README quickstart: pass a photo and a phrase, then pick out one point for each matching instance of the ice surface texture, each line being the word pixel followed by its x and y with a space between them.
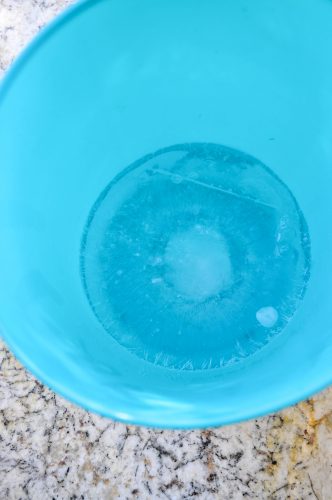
pixel 194 257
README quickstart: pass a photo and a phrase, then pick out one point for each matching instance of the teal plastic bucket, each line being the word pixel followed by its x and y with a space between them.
pixel 165 208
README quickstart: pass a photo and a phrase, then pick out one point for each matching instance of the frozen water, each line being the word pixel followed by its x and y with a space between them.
pixel 195 257
pixel 198 263
pixel 267 316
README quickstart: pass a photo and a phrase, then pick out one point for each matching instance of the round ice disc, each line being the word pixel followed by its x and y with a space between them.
pixel 195 256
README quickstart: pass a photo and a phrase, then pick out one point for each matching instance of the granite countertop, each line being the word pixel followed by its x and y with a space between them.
pixel 51 449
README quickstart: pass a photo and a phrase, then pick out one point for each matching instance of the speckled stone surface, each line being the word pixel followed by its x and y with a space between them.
pixel 52 449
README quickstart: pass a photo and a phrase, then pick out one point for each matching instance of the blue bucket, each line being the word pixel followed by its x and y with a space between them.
pixel 165 208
